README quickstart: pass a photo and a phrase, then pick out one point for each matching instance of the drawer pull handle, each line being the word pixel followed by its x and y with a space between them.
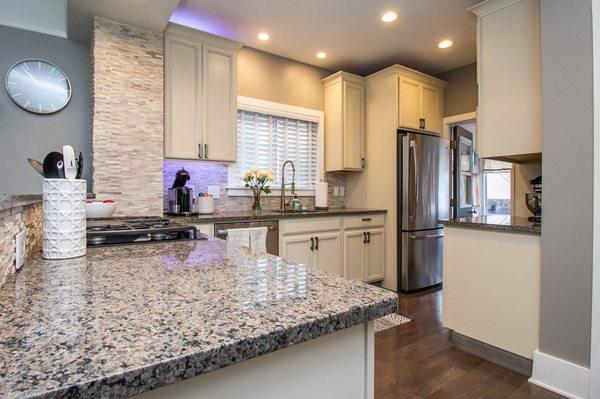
pixel 366 219
pixel 312 243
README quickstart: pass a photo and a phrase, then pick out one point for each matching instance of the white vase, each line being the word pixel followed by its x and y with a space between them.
pixel 64 218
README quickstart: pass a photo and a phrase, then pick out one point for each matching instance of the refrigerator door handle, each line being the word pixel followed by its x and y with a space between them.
pixel 411 207
pixel 425 237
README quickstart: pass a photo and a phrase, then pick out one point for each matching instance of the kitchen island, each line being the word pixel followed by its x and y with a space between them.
pixel 491 296
pixel 125 320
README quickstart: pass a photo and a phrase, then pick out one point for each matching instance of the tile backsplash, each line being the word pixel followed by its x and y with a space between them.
pixel 204 174
pixel 12 221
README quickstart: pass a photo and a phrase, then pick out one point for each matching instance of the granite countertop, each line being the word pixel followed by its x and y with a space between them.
pixel 218 217
pixel 126 319
pixel 497 222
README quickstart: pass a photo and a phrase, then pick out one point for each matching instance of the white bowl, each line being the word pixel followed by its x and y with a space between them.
pixel 99 209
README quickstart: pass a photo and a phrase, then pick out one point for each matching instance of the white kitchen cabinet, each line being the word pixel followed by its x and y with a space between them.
pixel 328 252
pixel 364 254
pixel 344 122
pixel 420 105
pixel 509 79
pixel 298 248
pixel 200 95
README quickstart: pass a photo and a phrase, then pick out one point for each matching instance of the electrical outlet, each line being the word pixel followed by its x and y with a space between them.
pixel 20 245
pixel 342 191
pixel 336 191
pixel 215 191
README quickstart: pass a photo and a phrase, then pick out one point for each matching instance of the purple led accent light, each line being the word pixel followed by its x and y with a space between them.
pixel 187 16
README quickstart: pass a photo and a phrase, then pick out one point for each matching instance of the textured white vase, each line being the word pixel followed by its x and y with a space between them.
pixel 64 218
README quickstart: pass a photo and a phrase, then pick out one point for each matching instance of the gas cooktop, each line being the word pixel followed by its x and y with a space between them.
pixel 133 230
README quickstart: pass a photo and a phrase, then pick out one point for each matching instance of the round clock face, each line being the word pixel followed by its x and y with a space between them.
pixel 38 86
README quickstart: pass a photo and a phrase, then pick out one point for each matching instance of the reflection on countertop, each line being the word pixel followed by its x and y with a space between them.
pixel 126 319
pixel 496 222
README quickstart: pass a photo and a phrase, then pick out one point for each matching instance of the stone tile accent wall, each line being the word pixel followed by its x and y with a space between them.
pixel 12 221
pixel 127 117
pixel 205 174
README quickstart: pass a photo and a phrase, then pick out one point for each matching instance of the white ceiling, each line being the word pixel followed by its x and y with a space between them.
pixel 148 14
pixel 350 31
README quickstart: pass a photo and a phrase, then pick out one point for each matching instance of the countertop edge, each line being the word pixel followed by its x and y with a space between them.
pixel 271 215
pixel 177 369
pixel 493 226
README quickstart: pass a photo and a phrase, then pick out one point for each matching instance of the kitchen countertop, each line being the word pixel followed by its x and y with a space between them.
pixel 126 319
pixel 9 201
pixel 496 222
pixel 271 215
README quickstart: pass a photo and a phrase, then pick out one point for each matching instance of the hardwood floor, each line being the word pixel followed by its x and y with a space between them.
pixel 416 360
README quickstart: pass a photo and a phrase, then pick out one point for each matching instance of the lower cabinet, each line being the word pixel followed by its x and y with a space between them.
pixel 355 249
pixel 364 254
pixel 322 251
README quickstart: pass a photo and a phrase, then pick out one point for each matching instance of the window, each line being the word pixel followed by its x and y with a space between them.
pixel 496 187
pixel 268 134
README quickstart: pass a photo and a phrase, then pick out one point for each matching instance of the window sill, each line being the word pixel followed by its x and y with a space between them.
pixel 275 192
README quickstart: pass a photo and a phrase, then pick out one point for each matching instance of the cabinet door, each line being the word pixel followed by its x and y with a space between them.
pixel 328 252
pixel 220 105
pixel 354 255
pixel 298 249
pixel 409 111
pixel 353 125
pixel 183 98
pixel 375 257
pixel 431 107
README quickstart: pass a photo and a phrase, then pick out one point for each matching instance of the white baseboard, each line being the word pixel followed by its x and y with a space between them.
pixel 560 376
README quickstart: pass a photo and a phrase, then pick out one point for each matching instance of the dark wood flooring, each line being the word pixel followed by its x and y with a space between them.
pixel 416 360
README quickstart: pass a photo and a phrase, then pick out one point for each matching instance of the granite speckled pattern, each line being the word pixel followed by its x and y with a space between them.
pixel 497 222
pixel 219 217
pixel 126 319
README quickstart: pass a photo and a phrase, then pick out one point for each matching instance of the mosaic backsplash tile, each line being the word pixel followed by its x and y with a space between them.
pixel 204 174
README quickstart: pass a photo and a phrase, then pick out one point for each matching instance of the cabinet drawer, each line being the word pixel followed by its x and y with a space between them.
pixel 312 225
pixel 362 221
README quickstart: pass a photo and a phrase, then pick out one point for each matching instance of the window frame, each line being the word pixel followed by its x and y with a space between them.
pixel 483 185
pixel 287 111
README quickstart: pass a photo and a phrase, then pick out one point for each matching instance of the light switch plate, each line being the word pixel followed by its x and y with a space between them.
pixel 336 191
pixel 20 245
pixel 342 191
pixel 215 191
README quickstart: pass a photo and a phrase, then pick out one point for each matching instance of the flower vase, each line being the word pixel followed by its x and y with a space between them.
pixel 256 208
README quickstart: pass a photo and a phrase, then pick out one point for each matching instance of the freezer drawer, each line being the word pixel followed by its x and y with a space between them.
pixel 421 264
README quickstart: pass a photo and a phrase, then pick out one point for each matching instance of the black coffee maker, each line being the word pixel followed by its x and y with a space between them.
pixel 181 198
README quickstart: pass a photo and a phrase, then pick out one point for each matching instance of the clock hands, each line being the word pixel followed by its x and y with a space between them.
pixel 32 78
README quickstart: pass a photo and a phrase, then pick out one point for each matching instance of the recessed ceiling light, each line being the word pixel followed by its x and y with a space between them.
pixel 389 16
pixel 321 54
pixel 263 36
pixel 445 43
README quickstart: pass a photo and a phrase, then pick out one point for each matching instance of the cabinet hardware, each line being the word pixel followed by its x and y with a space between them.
pixel 317 243
pixel 368 237
pixel 200 151
pixel 364 238
pixel 424 123
pixel 366 219
pixel 362 162
pixel 312 243
pixel 205 151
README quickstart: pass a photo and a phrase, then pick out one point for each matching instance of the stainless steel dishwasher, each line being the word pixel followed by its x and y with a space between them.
pixel 272 232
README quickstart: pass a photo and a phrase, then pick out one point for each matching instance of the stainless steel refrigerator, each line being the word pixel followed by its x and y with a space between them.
pixel 423 199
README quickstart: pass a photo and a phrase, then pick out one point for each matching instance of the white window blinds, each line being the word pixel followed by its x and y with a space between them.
pixel 267 141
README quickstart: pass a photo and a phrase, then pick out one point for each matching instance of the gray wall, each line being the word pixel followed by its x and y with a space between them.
pixel 461 92
pixel 567 147
pixel 23 134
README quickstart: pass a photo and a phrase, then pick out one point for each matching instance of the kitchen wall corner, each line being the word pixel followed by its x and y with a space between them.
pixel 127 116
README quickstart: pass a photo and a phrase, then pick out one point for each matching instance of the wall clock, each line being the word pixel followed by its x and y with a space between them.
pixel 38 86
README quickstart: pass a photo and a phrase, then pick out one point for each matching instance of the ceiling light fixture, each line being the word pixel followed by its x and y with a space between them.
pixel 263 36
pixel 321 54
pixel 389 16
pixel 445 43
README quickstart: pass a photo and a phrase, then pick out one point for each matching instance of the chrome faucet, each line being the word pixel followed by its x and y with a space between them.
pixel 293 184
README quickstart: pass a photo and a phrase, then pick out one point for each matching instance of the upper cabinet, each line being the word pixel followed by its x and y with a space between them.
pixel 420 105
pixel 200 95
pixel 344 122
pixel 509 78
